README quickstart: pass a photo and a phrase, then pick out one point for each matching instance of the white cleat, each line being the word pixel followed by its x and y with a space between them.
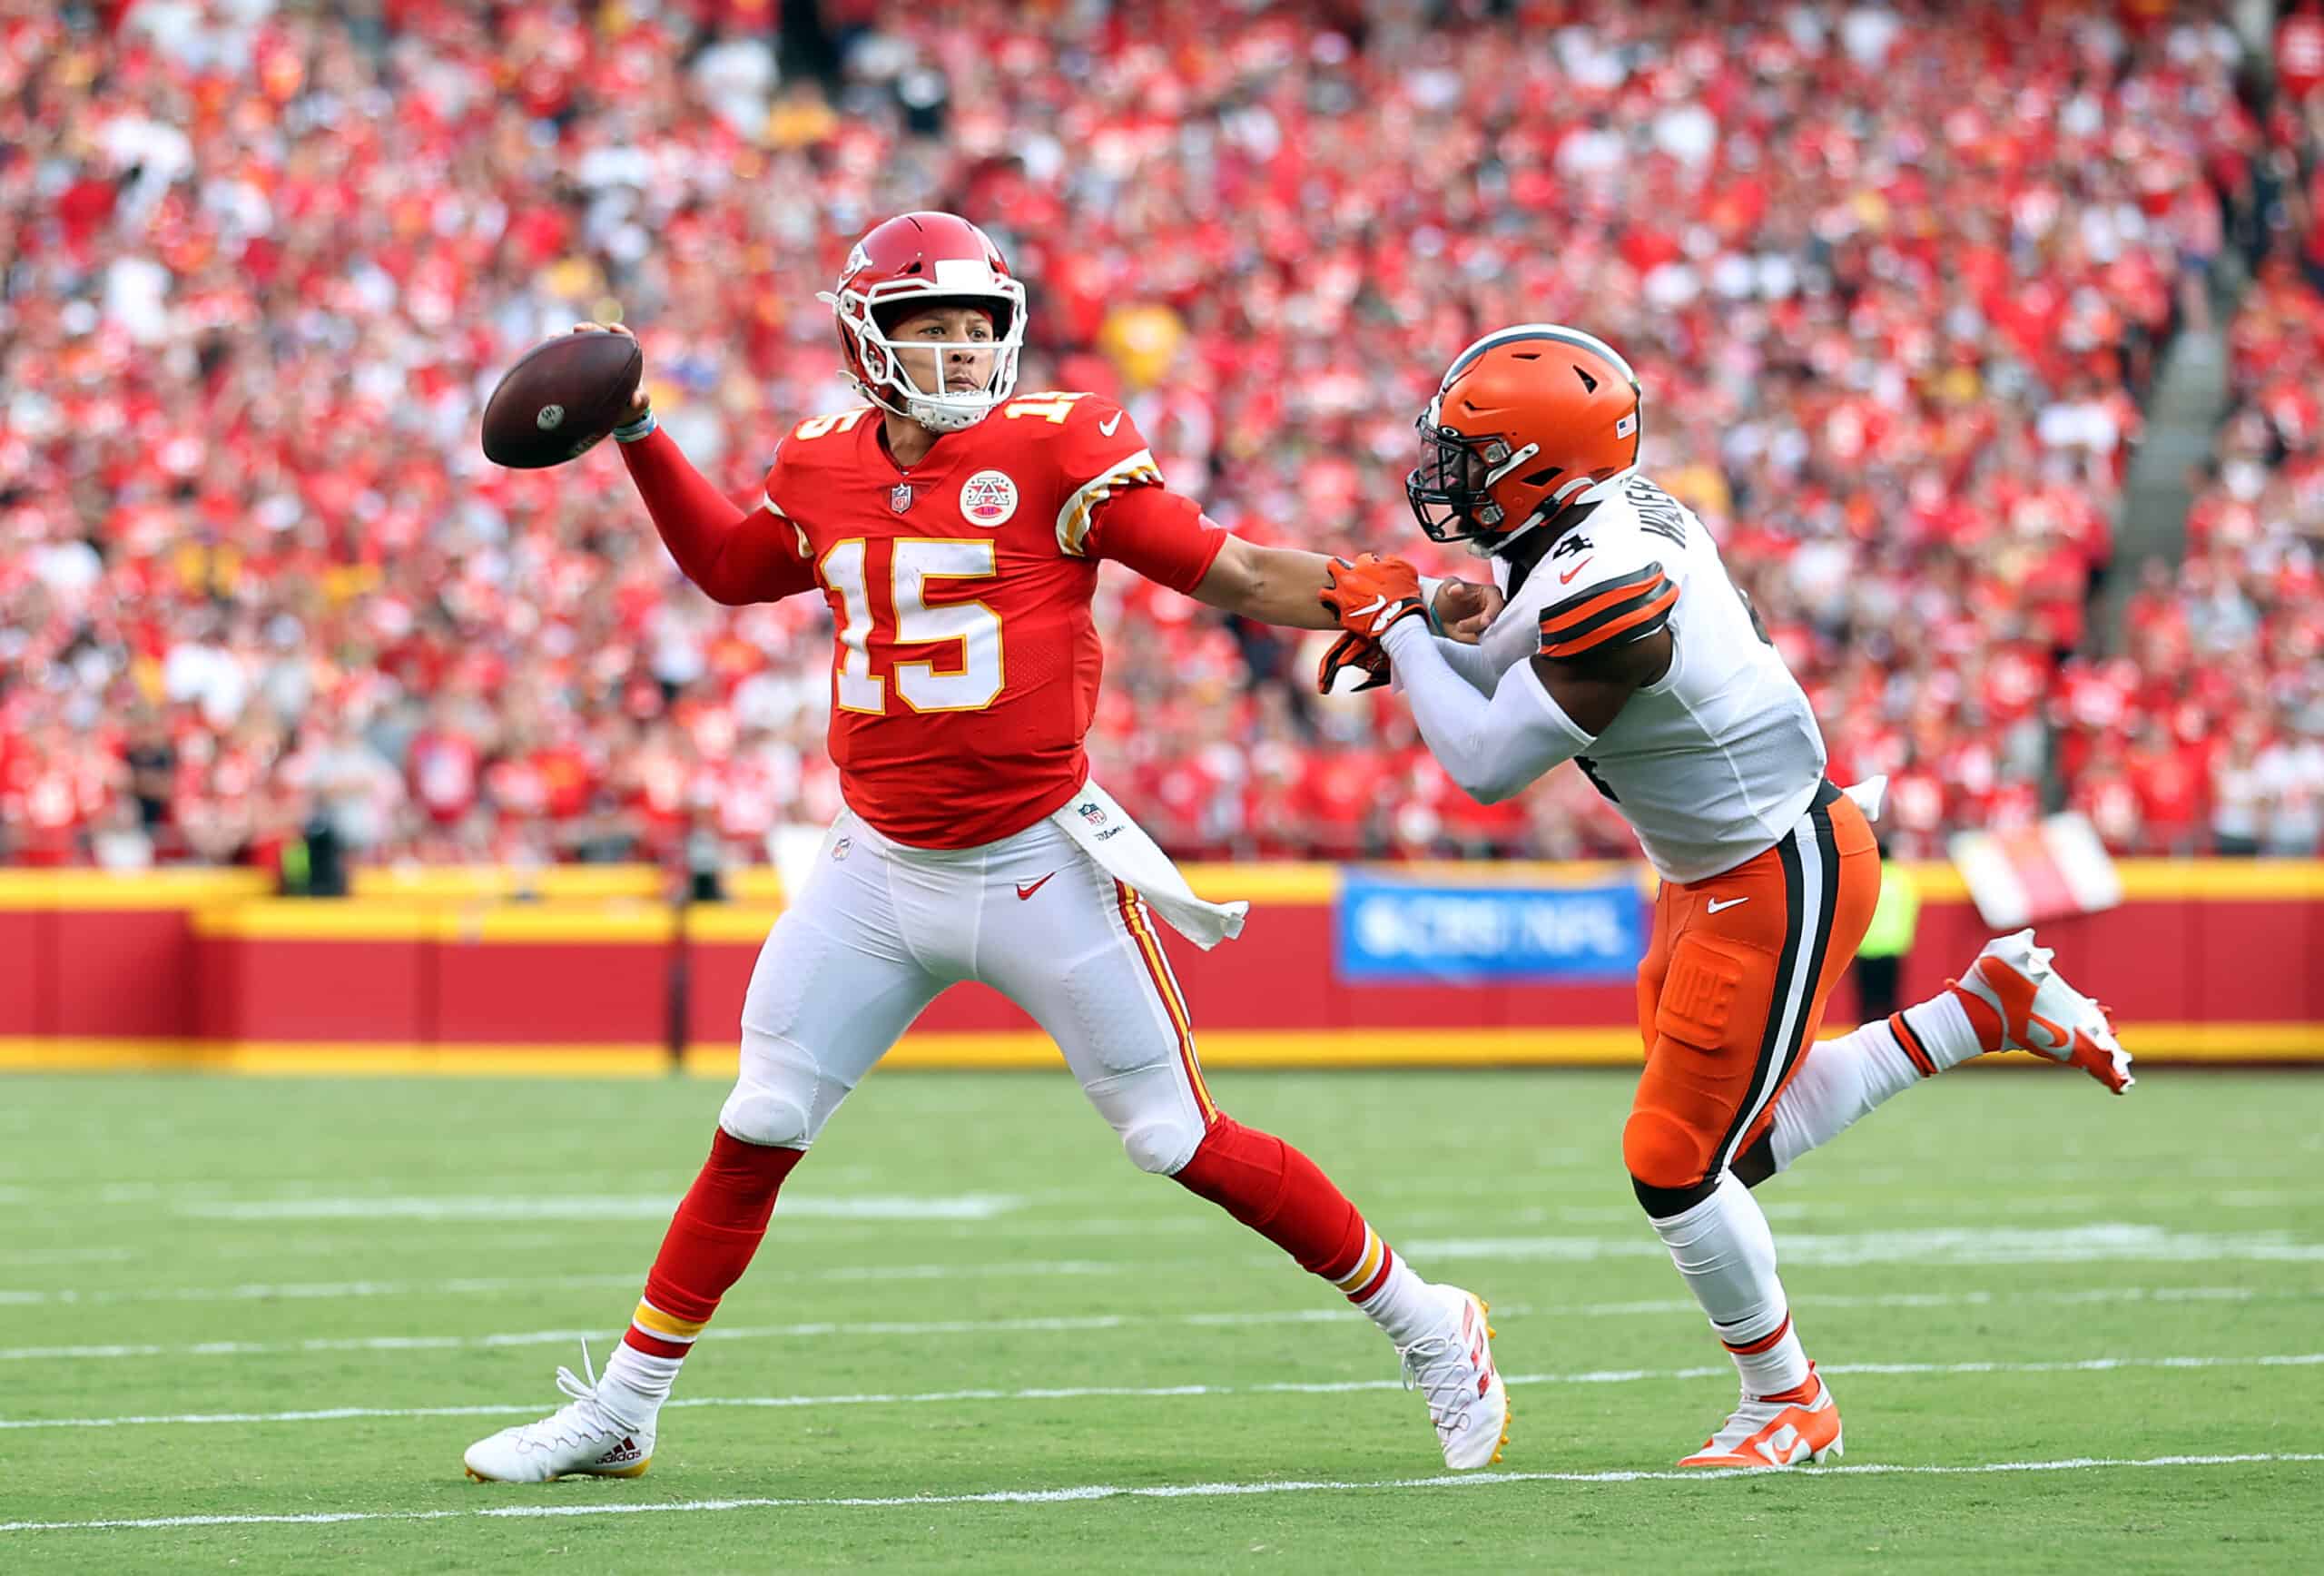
pixel 2041 1013
pixel 580 1438
pixel 1784 1430
pixel 1455 1372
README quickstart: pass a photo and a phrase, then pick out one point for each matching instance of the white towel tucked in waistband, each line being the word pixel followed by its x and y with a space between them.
pixel 1124 851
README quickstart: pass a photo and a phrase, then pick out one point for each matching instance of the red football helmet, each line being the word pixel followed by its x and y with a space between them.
pixel 924 258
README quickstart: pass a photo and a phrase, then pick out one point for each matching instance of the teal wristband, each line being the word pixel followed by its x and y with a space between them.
pixel 1428 587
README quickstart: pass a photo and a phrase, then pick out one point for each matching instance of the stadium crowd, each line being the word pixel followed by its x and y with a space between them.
pixel 2208 731
pixel 1896 277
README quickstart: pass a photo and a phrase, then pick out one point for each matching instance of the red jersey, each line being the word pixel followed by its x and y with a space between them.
pixel 966 662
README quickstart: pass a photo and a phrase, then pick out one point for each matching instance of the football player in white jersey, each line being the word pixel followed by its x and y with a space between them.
pixel 1625 649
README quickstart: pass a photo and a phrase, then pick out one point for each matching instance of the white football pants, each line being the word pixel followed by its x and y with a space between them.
pixel 882 928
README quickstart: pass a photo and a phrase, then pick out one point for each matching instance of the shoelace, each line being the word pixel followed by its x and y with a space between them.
pixel 1433 1366
pixel 564 1426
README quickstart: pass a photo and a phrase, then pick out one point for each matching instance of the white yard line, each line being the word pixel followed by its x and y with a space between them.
pixel 1087 1493
pixel 581 1207
pixel 2104 1241
pixel 23 1258
pixel 852 1329
pixel 2098 1242
pixel 1126 1392
pixel 333 1291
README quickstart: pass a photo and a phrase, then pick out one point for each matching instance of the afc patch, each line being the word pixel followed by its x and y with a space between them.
pixel 899 499
pixel 989 498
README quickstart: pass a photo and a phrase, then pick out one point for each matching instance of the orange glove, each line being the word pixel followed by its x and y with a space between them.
pixel 1360 652
pixel 1371 593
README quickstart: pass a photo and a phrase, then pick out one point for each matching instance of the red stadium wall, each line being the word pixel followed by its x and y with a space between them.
pixel 2205 960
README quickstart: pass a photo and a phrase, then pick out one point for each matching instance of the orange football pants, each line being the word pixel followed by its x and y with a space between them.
pixel 1731 992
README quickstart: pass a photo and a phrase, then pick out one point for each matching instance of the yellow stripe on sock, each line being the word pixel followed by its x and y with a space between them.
pixel 1367 1266
pixel 654 1322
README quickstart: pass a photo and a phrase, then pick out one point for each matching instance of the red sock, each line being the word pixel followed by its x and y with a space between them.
pixel 718 1226
pixel 1286 1197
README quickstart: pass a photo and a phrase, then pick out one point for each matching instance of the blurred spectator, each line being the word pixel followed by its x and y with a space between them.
pixel 1896 276
pixel 2223 687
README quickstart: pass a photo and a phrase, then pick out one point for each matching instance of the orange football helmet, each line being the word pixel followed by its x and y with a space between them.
pixel 1526 421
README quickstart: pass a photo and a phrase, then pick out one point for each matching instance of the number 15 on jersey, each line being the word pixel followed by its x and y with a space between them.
pixel 968 681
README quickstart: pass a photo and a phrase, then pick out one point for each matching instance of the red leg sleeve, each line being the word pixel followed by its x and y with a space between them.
pixel 1280 1194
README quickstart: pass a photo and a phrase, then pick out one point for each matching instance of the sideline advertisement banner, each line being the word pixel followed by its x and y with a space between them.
pixel 1388 931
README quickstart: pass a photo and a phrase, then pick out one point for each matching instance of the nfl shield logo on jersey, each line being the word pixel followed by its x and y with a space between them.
pixel 901 498
pixel 989 498
pixel 1091 813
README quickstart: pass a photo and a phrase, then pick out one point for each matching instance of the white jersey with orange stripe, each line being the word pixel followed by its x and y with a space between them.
pixel 1714 761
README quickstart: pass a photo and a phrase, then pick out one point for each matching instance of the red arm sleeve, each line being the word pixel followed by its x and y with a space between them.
pixel 736 558
pixel 1161 534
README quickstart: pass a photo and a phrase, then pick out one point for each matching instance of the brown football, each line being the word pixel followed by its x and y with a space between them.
pixel 561 399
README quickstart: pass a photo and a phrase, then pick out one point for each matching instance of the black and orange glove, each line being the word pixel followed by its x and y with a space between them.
pixel 1360 652
pixel 1371 593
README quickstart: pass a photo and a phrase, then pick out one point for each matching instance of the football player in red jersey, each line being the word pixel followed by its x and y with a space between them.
pixel 955 528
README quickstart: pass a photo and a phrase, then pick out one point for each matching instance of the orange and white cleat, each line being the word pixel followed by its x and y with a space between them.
pixel 1769 1431
pixel 2041 1013
pixel 1455 1373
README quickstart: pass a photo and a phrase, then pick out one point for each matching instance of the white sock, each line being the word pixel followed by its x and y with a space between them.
pixel 1726 1254
pixel 635 1383
pixel 1403 1305
pixel 1838 1081
pixel 1943 1026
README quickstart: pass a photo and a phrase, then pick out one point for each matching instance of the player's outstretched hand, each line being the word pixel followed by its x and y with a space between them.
pixel 1360 652
pixel 1371 593
pixel 1464 610
pixel 637 401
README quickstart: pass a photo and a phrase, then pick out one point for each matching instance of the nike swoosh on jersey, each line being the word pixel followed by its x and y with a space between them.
pixel 1717 904
pixel 1026 890
pixel 1106 427
pixel 1567 578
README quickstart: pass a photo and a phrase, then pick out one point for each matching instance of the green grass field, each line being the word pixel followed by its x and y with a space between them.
pixel 978 1339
